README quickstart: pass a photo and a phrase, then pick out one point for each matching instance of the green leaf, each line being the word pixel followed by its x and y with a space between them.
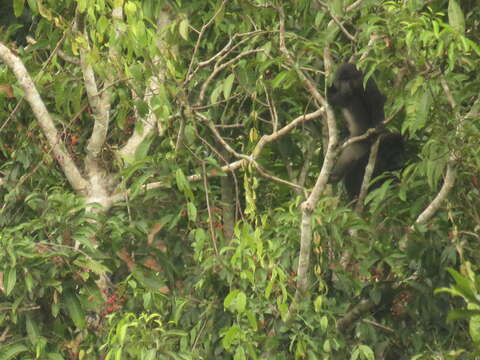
pixel 142 151
pixel 336 6
pixel 82 5
pixel 10 352
pixel 18 6
pixel 182 182
pixel 216 93
pixel 55 356
pixel 102 24
pixel 227 86
pixel 450 291
pixel 279 78
pixel 455 16
pixel 474 324
pixel 462 314
pixel 29 282
pixel 74 309
pixel 463 285
pixel 33 5
pixel 122 332
pixel 192 211
pixel 230 336
pixel 367 352
pixel 130 9
pixel 239 354
pixel 271 282
pixel 178 311
pixel 252 320
pixel 183 29
pixel 9 280
pixel 417 108
pixel 241 302
pixel 324 323
pixel 327 346
pixel 92 265
pixel 227 303
pixel 317 304
pixel 33 331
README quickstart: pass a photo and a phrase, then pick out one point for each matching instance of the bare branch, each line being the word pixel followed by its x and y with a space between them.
pixel 45 120
pixel 447 186
pixel 359 206
pixel 68 58
pixel 100 104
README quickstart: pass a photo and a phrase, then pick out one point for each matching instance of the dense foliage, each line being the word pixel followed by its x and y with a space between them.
pixel 162 217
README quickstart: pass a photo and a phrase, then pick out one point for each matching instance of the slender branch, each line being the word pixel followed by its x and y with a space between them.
pixel 207 199
pixel 68 58
pixel 366 135
pixel 447 186
pixel 380 326
pixel 367 177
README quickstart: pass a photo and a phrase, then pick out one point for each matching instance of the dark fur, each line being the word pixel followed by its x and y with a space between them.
pixel 362 109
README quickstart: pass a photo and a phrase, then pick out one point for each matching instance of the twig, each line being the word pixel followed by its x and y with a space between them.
pixel 210 218
pixel 380 326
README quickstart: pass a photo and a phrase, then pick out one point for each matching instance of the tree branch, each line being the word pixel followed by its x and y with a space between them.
pixel 264 140
pixel 42 115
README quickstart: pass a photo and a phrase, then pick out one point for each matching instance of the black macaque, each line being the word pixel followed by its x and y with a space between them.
pixel 362 108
